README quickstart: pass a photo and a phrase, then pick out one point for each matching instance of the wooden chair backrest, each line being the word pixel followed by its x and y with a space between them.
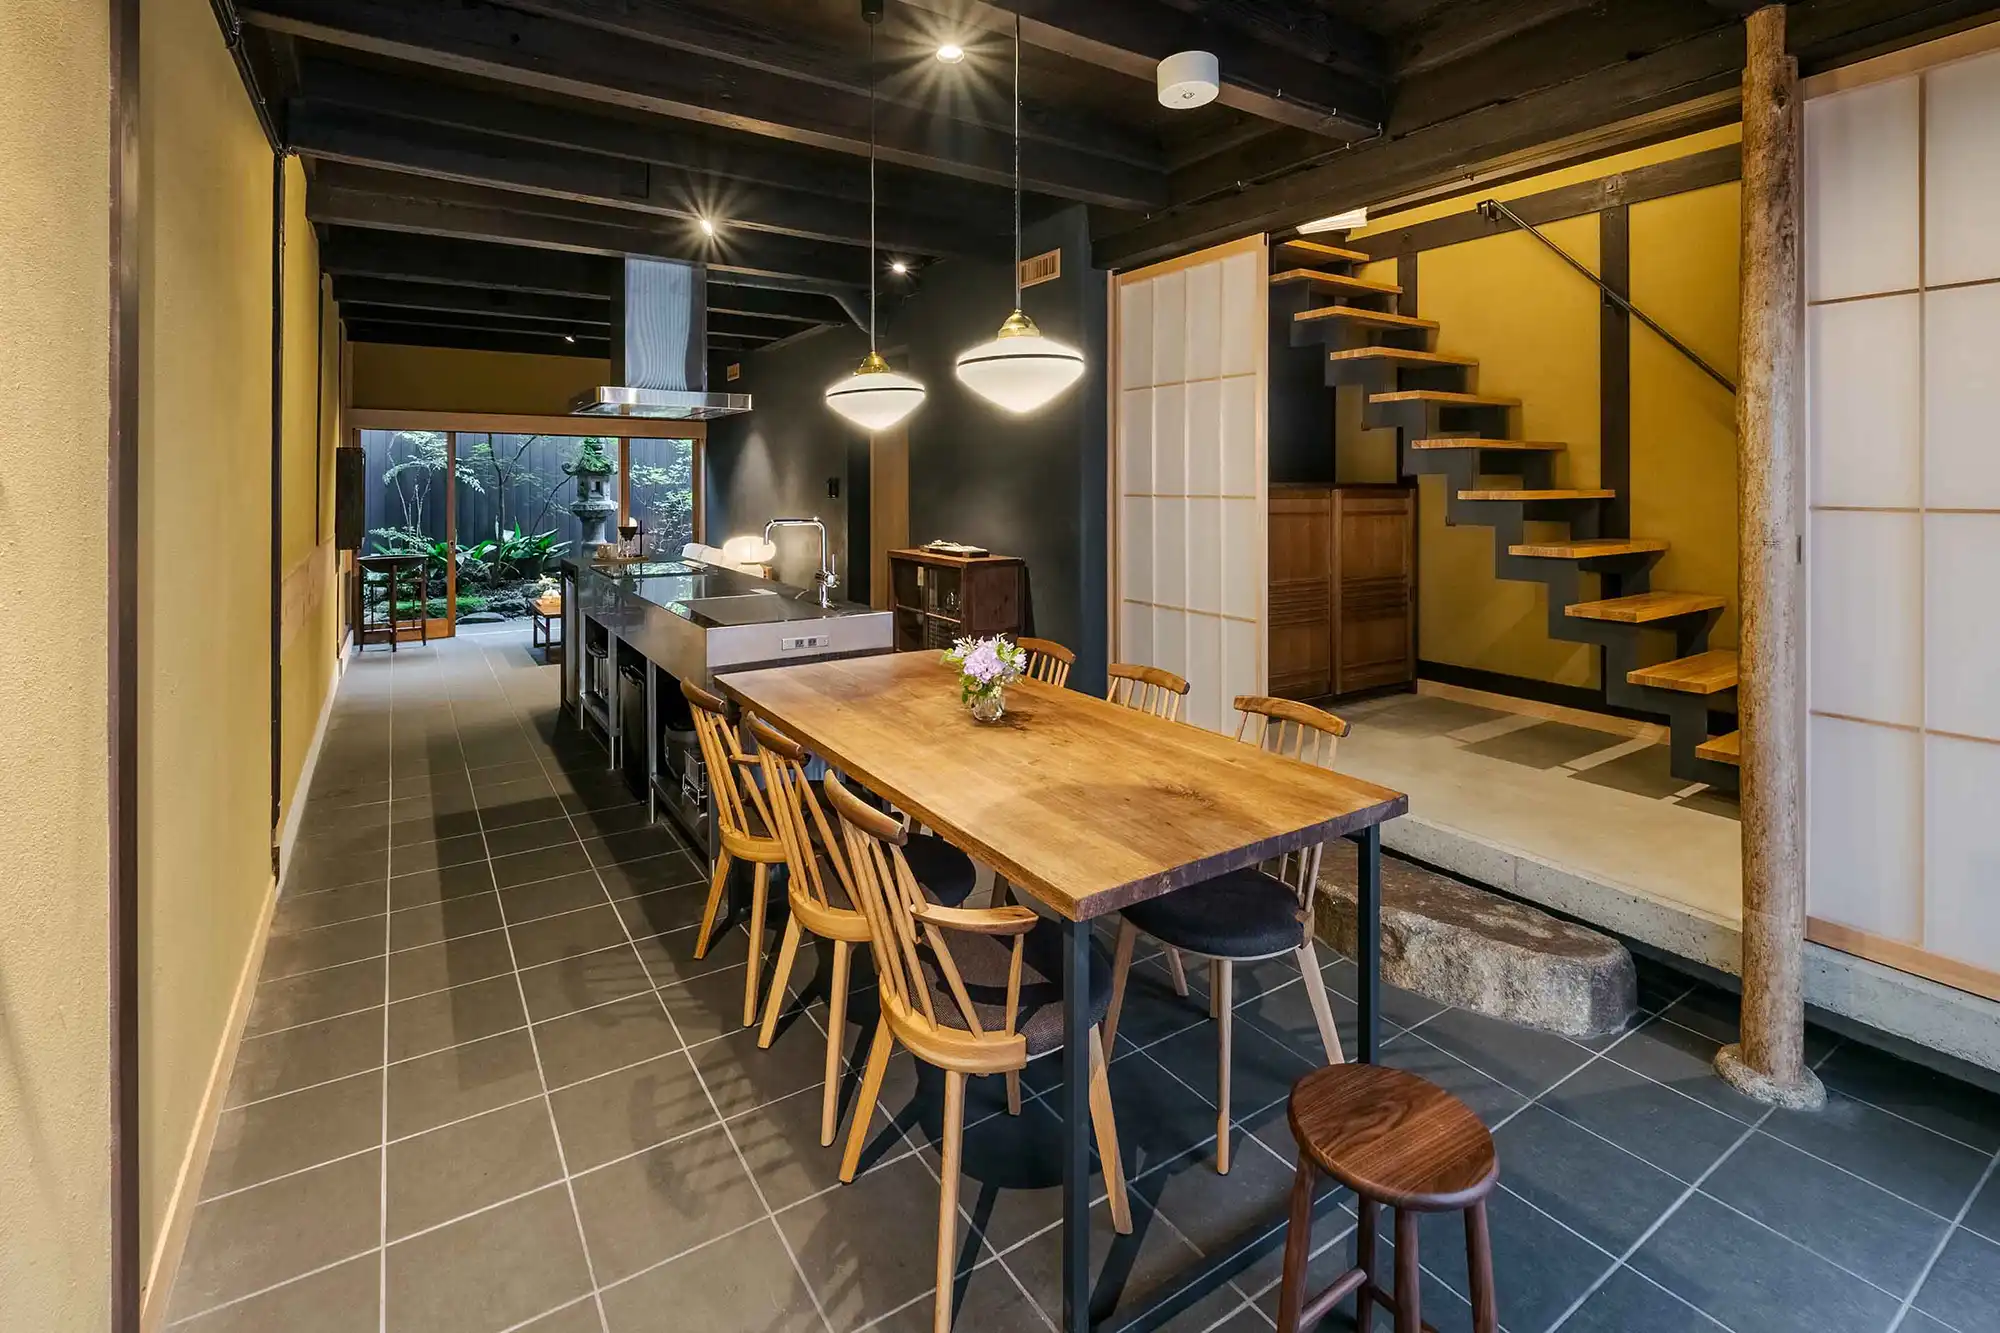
pixel 732 785
pixel 1296 731
pixel 798 816
pixel 890 898
pixel 1048 661
pixel 1149 689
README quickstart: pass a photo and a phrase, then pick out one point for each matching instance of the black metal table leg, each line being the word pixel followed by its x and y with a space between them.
pixel 1368 936
pixel 1076 1128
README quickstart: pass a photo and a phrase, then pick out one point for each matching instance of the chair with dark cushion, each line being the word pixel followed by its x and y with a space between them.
pixel 744 828
pixel 1247 915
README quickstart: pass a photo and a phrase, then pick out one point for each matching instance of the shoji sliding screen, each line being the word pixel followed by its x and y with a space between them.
pixel 1902 277
pixel 1188 474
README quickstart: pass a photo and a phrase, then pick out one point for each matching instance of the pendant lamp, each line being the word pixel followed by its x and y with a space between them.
pixel 874 397
pixel 1021 370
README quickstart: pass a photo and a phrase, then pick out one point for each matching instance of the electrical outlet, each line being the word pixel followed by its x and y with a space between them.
pixel 833 488
pixel 805 642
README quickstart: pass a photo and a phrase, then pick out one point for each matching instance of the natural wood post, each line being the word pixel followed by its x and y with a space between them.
pixel 1769 1063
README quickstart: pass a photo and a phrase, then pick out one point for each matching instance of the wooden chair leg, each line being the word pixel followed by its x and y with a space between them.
pixel 836 1028
pixel 1479 1265
pixel 1121 967
pixel 1013 1077
pixel 1179 971
pixel 1364 1259
pixel 1216 1002
pixel 781 976
pixel 1222 985
pixel 1298 1249
pixel 718 881
pixel 947 1237
pixel 1322 1006
pixel 864 1105
pixel 1409 1311
pixel 1106 1125
pixel 759 888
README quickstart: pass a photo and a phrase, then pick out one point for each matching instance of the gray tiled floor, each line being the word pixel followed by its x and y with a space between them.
pixel 486 1087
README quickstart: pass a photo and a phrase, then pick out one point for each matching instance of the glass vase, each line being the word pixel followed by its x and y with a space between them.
pixel 989 706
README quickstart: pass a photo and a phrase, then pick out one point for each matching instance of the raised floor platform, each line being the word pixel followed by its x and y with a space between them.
pixel 1578 812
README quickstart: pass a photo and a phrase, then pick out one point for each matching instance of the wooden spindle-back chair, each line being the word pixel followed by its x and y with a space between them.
pixel 969 990
pixel 1246 915
pixel 1048 661
pixel 744 828
pixel 1148 689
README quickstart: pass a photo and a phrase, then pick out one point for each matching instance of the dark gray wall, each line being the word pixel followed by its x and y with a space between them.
pixel 778 458
pixel 1033 487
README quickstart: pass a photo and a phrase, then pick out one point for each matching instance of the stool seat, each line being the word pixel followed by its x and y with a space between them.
pixel 1394 1137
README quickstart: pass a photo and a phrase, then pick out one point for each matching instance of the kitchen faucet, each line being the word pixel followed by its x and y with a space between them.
pixel 823 578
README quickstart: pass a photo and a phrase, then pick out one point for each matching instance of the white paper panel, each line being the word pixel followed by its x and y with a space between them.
pixel 1135 542
pixel 1170 425
pixel 1242 555
pixel 1204 322
pixel 1242 331
pixel 1242 666
pixel 1866 622
pixel 1135 335
pixel 1170 552
pixel 1962 851
pixel 1240 397
pixel 1962 171
pixel 1204 672
pixel 1864 404
pixel 1864 827
pixel 1962 626
pixel 1170 328
pixel 1135 634
pixel 1135 441
pixel 1961 374
pixel 1170 640
pixel 1204 437
pixel 1204 540
pixel 1861 191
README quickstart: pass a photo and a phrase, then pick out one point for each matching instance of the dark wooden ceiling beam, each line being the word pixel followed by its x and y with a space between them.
pixel 573 60
pixel 1465 29
pixel 409 257
pixel 447 152
pixel 1270 82
pixel 395 293
pixel 475 340
pixel 727 327
pixel 1308 27
pixel 340 195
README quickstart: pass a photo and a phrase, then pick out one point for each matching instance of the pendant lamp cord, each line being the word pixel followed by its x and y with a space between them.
pixel 1017 161
pixel 871 189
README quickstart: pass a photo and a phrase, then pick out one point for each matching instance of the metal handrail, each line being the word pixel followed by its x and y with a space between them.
pixel 1493 210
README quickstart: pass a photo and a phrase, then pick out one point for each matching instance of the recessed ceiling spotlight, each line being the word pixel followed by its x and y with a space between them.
pixel 898 267
pixel 1189 79
pixel 569 337
pixel 707 227
pixel 950 53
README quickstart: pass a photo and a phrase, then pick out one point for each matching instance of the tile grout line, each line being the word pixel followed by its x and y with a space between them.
pixel 1957 1225
pixel 742 1162
pixel 388 873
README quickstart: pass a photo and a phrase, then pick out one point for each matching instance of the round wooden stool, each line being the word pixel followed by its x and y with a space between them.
pixel 1400 1142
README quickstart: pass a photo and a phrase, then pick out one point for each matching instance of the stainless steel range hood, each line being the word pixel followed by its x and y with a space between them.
pixel 659 349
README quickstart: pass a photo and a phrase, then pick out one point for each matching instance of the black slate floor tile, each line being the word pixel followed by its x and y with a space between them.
pixel 1525 1060
pixel 1675 1133
pixel 1540 1266
pixel 1958 1110
pixel 1583 1181
pixel 1630 1303
pixel 1925 1168
pixel 1963 1288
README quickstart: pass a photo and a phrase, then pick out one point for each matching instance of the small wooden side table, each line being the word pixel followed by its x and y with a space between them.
pixel 399 573
pixel 546 632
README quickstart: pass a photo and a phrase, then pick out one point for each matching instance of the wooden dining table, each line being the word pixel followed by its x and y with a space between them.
pixel 1087 808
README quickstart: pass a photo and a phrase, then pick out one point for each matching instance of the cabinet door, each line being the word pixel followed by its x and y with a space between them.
pixel 1301 588
pixel 1375 564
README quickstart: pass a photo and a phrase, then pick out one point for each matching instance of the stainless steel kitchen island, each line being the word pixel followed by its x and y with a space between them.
pixel 639 629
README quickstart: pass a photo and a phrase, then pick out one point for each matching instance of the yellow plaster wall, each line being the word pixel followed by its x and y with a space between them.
pixel 55 1206
pixel 445 379
pixel 1533 324
pixel 204 567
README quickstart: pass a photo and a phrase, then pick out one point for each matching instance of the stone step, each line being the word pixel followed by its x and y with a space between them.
pixel 1476 950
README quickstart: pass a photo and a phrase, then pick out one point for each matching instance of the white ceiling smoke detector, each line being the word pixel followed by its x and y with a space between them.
pixel 1189 79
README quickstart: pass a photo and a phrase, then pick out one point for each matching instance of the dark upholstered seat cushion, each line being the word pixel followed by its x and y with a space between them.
pixel 1243 914
pixel 945 872
pixel 982 964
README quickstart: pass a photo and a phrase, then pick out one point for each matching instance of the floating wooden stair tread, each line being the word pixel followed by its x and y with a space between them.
pixel 1477 442
pixel 1723 749
pixel 1338 281
pixel 1589 550
pixel 1711 672
pixel 1405 354
pixel 1646 607
pixel 1381 319
pixel 1320 252
pixel 1443 398
pixel 1525 495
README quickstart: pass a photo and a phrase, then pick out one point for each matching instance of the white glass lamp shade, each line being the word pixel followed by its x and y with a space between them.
pixel 875 397
pixel 1020 370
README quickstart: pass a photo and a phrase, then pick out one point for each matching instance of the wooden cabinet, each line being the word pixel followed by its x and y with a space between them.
pixel 1343 589
pixel 939 598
